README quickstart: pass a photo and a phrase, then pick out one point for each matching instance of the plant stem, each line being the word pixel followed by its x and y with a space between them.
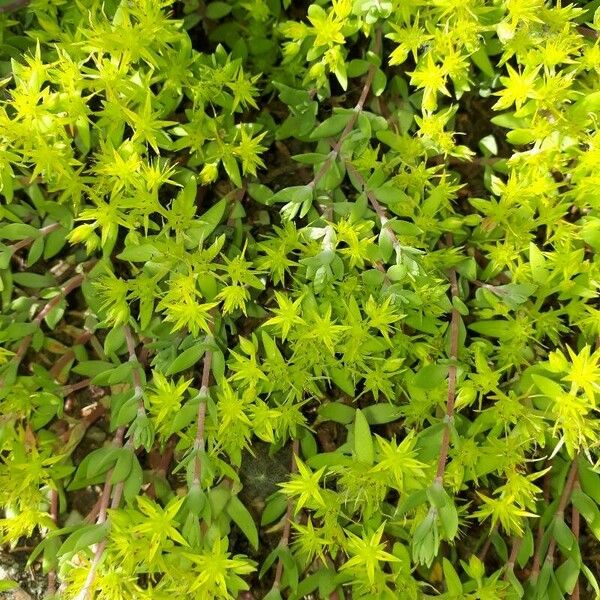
pixel 42 232
pixel 575 528
pixel 560 510
pixel 201 418
pixel 285 536
pixel 69 389
pixel 14 5
pixel 454 331
pixel 514 551
pixel 69 286
pixel 379 210
pixel 487 544
pixel 60 364
pixel 540 531
pixel 117 492
pixel 54 509
pixel 352 121
pixel 135 374
pixel 102 513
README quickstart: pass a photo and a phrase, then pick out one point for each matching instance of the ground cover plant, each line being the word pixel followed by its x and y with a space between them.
pixel 299 300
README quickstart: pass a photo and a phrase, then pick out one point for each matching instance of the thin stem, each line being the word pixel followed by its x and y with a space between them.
pixel 54 509
pixel 588 32
pixel 285 537
pixel 105 498
pixel 69 286
pixel 102 515
pixel 201 418
pixel 60 364
pixel 487 544
pixel 454 331
pixel 512 559
pixel 352 121
pixel 575 528
pixel 80 385
pixel 379 210
pixel 135 373
pixel 28 241
pixel 564 500
pixel 14 5
pixel 537 557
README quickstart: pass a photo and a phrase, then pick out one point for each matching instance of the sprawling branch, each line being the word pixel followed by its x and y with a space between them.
pixel 48 229
pixel 285 537
pixel 117 492
pixel 66 289
pixel 559 513
pixel 199 442
pixel 575 528
pixel 352 121
pixel 451 396
pixel 14 5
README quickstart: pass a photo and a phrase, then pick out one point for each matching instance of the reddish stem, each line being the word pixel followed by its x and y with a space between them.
pixel 69 286
pixel 537 557
pixel 60 364
pixel 285 537
pixel 575 528
pixel 135 374
pixel 352 121
pixel 454 331
pixel 69 389
pixel 28 241
pixel 12 6
pixel 560 510
pixel 487 544
pixel 102 514
pixel 54 515
pixel 201 418
pixel 512 559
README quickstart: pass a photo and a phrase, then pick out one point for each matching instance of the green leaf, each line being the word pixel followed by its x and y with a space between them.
pixel 430 376
pixel 92 368
pixel 18 231
pixel 567 575
pixel 208 222
pixel 34 280
pixel 139 253
pixel 548 387
pixel 451 579
pixel 186 359
pixel 6 585
pixel 379 82
pixel 297 194
pixel 481 60
pixel 514 582
pixel 83 537
pixel 331 126
pixel 379 414
pixel 115 339
pixel 243 519
pixel 217 10
pixel 133 482
pixel 118 374
pixel 343 380
pixel 563 535
pixel 337 412
pixel 527 548
pixel 274 509
pixel 123 465
pixel 495 328
pixel 363 441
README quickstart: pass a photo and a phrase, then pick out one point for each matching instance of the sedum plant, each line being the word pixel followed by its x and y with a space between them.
pixel 300 300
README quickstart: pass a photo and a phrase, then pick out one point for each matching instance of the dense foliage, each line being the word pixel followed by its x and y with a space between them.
pixel 300 300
